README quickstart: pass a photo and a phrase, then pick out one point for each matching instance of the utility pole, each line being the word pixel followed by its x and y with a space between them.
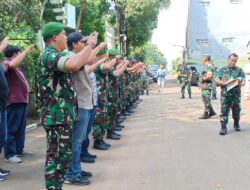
pixel 80 15
pixel 122 29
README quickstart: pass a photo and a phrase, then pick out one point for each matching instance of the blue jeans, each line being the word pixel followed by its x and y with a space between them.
pixel 3 129
pixel 79 134
pixel 85 143
pixel 16 122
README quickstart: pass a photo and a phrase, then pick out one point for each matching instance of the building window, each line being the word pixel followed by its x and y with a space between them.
pixel 205 3
pixel 227 39
pixel 235 1
pixel 202 43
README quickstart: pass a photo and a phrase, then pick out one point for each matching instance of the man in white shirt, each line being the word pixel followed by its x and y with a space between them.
pixel 247 73
pixel 161 77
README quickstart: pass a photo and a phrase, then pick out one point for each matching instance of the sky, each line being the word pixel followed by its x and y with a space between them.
pixel 171 29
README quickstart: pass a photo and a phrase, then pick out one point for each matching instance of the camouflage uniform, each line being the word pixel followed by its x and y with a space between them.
pixel 232 98
pixel 113 100
pixel 144 80
pixel 101 120
pixel 206 88
pixel 57 102
pixel 214 86
pixel 184 81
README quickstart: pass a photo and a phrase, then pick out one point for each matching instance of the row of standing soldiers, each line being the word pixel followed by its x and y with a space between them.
pixel 118 96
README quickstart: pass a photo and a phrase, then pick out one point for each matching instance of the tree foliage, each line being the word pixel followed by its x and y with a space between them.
pixel 149 54
pixel 94 16
pixel 141 18
pixel 19 16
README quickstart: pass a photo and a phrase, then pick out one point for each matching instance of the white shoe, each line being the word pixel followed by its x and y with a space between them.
pixel 13 159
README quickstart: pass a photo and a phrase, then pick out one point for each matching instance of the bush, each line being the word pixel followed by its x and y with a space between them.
pixel 29 68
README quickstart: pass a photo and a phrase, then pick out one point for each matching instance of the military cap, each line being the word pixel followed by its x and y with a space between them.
pixel 112 52
pixel 52 28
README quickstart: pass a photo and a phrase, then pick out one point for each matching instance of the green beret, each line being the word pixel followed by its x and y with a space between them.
pixel 52 28
pixel 112 52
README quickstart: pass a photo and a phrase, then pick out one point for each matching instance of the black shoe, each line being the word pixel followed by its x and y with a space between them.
pixel 2 178
pixel 86 174
pixel 223 130
pixel 190 97
pixel 212 113
pixel 126 113
pixel 130 111
pixel 91 155
pixel 236 126
pixel 4 173
pixel 106 144
pixel 120 120
pixel 87 159
pixel 99 145
pixel 182 97
pixel 113 136
pixel 119 125
pixel 116 134
pixel 122 117
pixel 117 128
pixel 204 116
pixel 78 181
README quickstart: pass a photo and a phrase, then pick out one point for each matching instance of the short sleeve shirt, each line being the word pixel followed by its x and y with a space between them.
pixel 227 73
pixel 161 73
pixel 207 70
pixel 56 91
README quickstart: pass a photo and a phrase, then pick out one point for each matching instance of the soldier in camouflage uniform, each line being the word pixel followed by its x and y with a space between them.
pixel 184 77
pixel 206 87
pixel 113 99
pixel 214 90
pixel 102 118
pixel 57 101
pixel 230 99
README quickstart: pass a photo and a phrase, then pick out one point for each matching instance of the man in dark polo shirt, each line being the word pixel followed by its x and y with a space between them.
pixel 18 98
pixel 3 113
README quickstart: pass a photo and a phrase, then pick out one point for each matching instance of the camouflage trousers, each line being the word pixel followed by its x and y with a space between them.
pixel 206 99
pixel 100 122
pixel 228 103
pixel 58 155
pixel 214 90
pixel 185 84
pixel 112 115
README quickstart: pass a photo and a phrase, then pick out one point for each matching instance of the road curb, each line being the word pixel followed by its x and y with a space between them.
pixel 32 126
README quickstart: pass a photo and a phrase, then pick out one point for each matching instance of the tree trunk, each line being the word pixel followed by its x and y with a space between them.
pixel 80 15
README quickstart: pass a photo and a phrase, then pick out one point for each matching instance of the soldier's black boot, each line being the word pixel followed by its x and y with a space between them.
pixel 236 125
pixel 182 97
pixel 190 97
pixel 117 128
pixel 113 136
pixel 99 145
pixel 223 130
pixel 212 113
pixel 105 143
pixel 204 116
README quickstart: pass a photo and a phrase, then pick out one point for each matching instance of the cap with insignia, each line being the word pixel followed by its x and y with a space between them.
pixel 52 28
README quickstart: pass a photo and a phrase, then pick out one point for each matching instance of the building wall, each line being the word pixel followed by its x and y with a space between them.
pixel 218 27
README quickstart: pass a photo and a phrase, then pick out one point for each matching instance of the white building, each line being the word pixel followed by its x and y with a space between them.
pixel 218 27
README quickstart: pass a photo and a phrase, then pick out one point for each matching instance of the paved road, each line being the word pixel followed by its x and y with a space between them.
pixel 164 147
